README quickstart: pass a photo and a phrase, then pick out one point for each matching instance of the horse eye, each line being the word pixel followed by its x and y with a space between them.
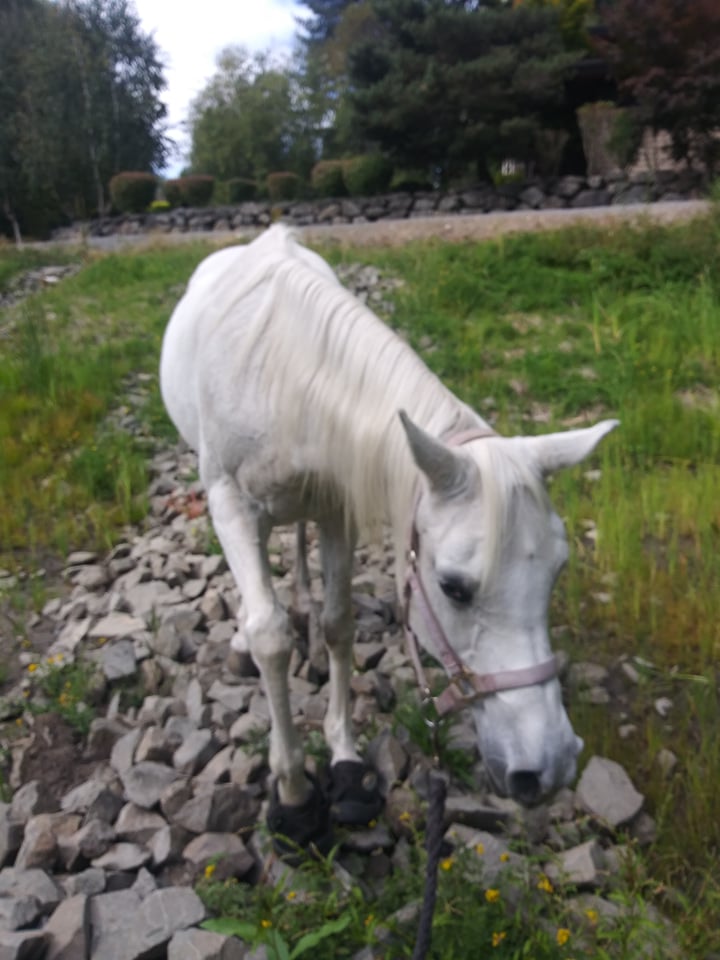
pixel 457 590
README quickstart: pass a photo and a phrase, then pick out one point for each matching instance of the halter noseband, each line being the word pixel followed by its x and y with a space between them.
pixel 465 685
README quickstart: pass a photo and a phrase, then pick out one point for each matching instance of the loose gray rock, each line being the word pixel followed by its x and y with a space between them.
pixel 146 782
pixel 31 883
pixel 196 944
pixel 161 915
pixel 18 911
pixel 137 824
pixel 116 625
pixel 23 945
pixel 118 660
pixel 68 930
pixel 582 866
pixel 606 792
pixel 123 856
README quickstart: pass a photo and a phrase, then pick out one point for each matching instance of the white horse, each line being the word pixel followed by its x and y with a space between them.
pixel 301 404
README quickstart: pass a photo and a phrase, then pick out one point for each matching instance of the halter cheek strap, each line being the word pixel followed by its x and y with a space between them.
pixel 465 685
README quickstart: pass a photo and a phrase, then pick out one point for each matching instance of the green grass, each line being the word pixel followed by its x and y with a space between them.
pixel 536 331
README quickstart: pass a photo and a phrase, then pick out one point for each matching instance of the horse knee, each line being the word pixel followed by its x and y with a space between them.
pixel 338 630
pixel 268 636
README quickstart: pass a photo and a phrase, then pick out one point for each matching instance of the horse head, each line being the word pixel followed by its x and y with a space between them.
pixel 485 550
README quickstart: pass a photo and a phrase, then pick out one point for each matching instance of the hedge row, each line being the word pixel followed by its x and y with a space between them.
pixel 132 192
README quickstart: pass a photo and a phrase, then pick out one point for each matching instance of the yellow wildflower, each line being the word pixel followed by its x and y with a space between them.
pixel 562 936
pixel 446 864
pixel 266 924
pixel 405 817
pixel 504 857
pixel 544 884
pixel 209 870
pixel 32 667
pixel 291 895
pixel 492 895
pixel 497 938
pixel 593 916
pixel 369 919
pixel 479 849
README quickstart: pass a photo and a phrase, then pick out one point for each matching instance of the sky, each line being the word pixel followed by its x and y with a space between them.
pixel 190 35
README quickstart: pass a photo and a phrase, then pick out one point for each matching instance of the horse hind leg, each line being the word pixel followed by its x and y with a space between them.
pixel 354 789
pixel 305 615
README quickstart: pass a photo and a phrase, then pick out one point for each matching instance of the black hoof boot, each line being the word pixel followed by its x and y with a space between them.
pixel 354 789
pixel 300 829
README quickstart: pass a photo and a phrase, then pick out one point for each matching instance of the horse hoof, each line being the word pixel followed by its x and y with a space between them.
pixel 354 789
pixel 300 830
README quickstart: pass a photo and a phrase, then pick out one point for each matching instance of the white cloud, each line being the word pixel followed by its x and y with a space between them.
pixel 190 36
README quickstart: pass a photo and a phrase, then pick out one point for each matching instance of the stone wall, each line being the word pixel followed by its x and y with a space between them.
pixel 570 191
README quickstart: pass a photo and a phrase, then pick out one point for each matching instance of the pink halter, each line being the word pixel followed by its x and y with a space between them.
pixel 465 686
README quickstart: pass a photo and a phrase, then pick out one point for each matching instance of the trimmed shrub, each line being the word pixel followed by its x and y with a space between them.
pixel 240 189
pixel 195 190
pixel 132 192
pixel 367 175
pixel 283 185
pixel 411 181
pixel 327 179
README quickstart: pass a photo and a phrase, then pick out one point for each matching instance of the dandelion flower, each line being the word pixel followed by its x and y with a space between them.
pixel 405 817
pixel 593 916
pixel 291 895
pixel 497 938
pixel 266 924
pixel 446 864
pixel 492 895
pixel 562 936
pixel 504 857
pixel 479 849
pixel 32 667
pixel 369 919
pixel 544 884
pixel 209 870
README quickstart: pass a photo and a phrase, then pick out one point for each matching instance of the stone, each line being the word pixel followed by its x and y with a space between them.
pixel 116 625
pixel 248 727
pixel 137 824
pixel 194 944
pixel 123 753
pixel 31 883
pixel 11 834
pixel 388 756
pixel 605 791
pixel 161 915
pixel 472 811
pixel 40 842
pixel 146 782
pixel 582 866
pixel 23 944
pixel 68 930
pixel 112 918
pixel 31 799
pixel 492 851
pixel 224 807
pixel 155 745
pixel 195 752
pixel 123 856
pixel 18 911
pixel 235 698
pixel 167 844
pixel 118 660
pixel 214 847
pixel 88 882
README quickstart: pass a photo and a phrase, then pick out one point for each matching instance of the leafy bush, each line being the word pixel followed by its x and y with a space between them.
pixel 132 192
pixel 327 178
pixel 367 175
pixel 239 190
pixel 410 181
pixel 195 190
pixel 283 185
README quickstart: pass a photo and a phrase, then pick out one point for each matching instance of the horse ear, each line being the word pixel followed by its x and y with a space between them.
pixel 446 472
pixel 556 450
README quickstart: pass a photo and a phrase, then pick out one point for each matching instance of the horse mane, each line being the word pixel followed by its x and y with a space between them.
pixel 337 376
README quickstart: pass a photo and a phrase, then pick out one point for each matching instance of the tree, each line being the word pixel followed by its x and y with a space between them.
pixel 249 120
pixel 79 101
pixel 447 83
pixel 665 55
pixel 327 14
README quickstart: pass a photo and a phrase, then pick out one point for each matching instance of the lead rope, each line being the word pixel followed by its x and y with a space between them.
pixel 437 792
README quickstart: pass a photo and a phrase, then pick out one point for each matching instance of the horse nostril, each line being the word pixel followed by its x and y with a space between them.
pixel 524 786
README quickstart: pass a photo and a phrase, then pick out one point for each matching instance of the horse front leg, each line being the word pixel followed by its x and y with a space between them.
pixel 243 534
pixel 354 789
